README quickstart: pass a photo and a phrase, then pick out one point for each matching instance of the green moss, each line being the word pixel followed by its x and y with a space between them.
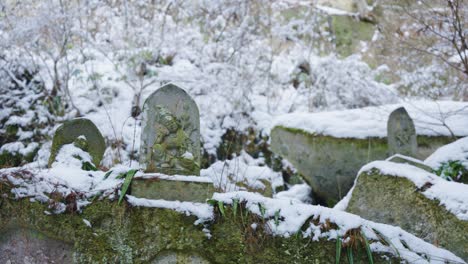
pixel 397 201
pixel 123 234
pixel 348 32
pixel 8 159
pixel 68 133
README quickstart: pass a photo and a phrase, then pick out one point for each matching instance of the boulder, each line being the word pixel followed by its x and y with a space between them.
pixel 414 199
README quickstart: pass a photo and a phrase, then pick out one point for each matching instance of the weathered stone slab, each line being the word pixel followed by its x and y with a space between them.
pixel 21 245
pixel 170 138
pixel 329 164
pixel 172 188
pixel 84 134
pixel 397 158
pixel 401 133
pixel 397 201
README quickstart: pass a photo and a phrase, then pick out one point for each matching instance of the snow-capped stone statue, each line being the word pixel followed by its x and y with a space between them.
pixel 83 134
pixel 401 133
pixel 170 138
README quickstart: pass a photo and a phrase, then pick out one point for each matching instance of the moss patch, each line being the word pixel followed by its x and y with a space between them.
pixel 397 201
pixel 123 234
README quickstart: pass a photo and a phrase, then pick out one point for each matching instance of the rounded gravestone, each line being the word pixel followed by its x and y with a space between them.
pixel 170 137
pixel 401 133
pixel 77 131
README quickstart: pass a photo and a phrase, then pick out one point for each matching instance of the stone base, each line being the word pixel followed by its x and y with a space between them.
pixel 172 188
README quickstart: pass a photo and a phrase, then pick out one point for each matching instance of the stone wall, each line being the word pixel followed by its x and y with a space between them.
pixel 124 234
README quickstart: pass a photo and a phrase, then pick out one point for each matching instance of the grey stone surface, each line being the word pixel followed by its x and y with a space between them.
pixel 27 246
pixel 401 133
pixel 172 190
pixel 330 165
pixel 70 131
pixel 170 138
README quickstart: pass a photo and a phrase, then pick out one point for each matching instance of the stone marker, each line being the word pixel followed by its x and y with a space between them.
pixel 170 138
pixel 84 134
pixel 401 134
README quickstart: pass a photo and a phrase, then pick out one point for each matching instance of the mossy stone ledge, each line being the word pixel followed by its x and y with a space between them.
pixel 106 232
pixel 398 201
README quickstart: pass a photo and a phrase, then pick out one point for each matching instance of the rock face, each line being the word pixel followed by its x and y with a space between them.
pixel 19 245
pixel 124 234
pixel 401 133
pixel 84 134
pixel 170 139
pixel 397 201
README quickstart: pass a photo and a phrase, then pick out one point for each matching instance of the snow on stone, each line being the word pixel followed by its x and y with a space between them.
pixel 203 211
pixel 293 215
pixel 242 169
pixel 452 195
pixel 298 192
pixel 189 178
pixel 457 150
pixel 429 118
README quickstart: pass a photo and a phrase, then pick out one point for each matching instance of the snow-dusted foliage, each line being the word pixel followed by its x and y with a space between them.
pixel 238 59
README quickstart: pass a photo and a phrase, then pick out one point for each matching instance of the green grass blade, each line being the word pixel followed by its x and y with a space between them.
pixel 234 206
pixel 126 184
pixel 338 250
pixel 368 250
pixel 350 255
pixel 107 174
pixel 221 208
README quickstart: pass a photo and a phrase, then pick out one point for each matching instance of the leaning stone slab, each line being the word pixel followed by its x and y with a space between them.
pixel 401 133
pixel 419 202
pixel 84 134
pixel 398 158
pixel 170 138
pixel 172 188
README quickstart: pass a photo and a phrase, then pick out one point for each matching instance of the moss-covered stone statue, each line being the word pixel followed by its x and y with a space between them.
pixel 172 150
pixel 83 134
pixel 170 138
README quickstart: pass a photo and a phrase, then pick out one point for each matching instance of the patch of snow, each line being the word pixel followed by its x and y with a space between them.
pixel 203 211
pixel 429 118
pixel 87 223
pixel 457 150
pixel 298 192
pixel 333 11
pixel 244 170
pixel 174 177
